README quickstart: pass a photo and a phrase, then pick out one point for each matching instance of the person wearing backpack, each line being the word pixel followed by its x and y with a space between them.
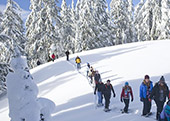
pixel 97 77
pixel 145 91
pixel 125 96
pixel 165 114
pixel 160 93
pixel 108 88
pixel 78 61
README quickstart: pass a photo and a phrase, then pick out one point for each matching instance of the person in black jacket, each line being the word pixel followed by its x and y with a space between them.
pixel 67 54
pixel 159 93
pixel 107 94
pixel 99 88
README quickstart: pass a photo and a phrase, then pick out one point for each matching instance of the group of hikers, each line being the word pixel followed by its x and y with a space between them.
pixel 159 93
pixel 53 56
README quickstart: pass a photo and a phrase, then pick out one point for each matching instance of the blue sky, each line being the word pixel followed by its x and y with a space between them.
pixel 24 4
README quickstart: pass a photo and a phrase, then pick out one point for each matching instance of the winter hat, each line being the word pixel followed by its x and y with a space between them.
pixel 108 80
pixel 162 79
pixel 126 83
pixel 147 77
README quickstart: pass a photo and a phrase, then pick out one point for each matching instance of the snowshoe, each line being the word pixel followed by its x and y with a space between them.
pixel 149 114
pixel 100 105
pixel 122 111
pixel 107 110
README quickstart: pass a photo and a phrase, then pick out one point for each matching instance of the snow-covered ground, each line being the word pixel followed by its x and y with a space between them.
pixel 60 82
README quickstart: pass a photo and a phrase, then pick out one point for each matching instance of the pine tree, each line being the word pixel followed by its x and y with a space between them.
pixel 148 20
pixel 93 29
pixel 119 14
pixel 104 37
pixel 137 19
pixel 89 31
pixel 66 30
pixel 4 70
pixel 165 22
pixel 1 18
pixel 12 24
pixel 131 35
pixel 41 31
pixel 73 25
pixel 76 24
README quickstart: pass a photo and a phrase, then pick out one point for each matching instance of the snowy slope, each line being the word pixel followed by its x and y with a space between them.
pixel 72 94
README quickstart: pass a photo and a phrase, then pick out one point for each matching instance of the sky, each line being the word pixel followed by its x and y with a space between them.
pixel 24 4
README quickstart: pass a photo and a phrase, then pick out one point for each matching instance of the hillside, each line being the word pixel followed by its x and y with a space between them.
pixel 72 94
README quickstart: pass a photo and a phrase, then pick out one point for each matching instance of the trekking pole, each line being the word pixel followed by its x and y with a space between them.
pixel 95 101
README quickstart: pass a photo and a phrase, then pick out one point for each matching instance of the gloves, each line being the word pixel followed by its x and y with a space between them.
pixel 114 95
pixel 132 100
pixel 121 100
pixel 94 93
pixel 141 99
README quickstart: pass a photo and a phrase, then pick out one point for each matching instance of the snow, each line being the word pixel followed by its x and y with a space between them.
pixel 22 94
pixel 60 82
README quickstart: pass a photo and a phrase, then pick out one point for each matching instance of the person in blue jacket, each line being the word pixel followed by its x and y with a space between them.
pixel 145 91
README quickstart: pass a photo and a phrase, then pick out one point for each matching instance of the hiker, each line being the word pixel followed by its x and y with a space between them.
pixel 99 88
pixel 67 54
pixel 165 114
pixel 78 61
pixel 97 77
pixel 91 73
pixel 53 57
pixel 159 93
pixel 88 68
pixel 38 63
pixel 107 94
pixel 145 91
pixel 125 96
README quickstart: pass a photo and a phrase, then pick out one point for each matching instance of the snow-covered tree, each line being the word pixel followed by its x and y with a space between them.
pixel 148 20
pixel 76 25
pixel 138 18
pixel 92 28
pixel 83 25
pixel 66 30
pixel 73 25
pixel 1 18
pixel 119 13
pixel 4 70
pixel 131 34
pixel 102 26
pixel 41 31
pixel 22 94
pixel 12 24
pixel 165 22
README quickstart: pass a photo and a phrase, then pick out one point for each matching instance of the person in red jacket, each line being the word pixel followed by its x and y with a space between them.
pixel 125 96
pixel 53 57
